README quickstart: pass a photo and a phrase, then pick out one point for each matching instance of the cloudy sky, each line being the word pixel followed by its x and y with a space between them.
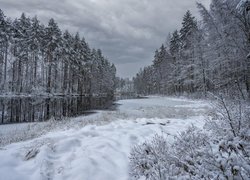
pixel 127 31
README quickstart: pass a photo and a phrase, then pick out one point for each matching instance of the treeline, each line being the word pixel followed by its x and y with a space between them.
pixel 210 55
pixel 35 58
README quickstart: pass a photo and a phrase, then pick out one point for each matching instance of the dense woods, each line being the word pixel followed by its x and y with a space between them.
pixel 207 55
pixel 40 59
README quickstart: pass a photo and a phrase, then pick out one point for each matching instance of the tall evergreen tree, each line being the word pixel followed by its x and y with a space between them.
pixel 5 37
pixel 175 44
pixel 53 44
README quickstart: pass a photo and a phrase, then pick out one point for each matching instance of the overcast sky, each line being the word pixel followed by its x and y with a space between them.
pixel 127 31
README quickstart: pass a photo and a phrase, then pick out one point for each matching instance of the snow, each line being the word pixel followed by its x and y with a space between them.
pixel 241 7
pixel 99 147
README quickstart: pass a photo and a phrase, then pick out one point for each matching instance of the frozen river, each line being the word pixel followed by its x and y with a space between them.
pixel 99 149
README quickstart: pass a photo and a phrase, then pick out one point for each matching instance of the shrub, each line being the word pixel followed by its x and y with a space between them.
pixel 222 152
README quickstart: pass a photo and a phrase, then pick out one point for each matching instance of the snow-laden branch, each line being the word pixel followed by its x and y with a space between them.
pixel 243 6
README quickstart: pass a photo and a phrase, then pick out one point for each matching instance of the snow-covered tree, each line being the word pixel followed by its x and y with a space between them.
pixel 40 59
pixel 210 55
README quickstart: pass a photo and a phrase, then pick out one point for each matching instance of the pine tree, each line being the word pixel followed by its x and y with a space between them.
pixel 67 57
pixel 189 27
pixel 5 37
pixel 187 36
pixel 175 44
pixel 53 44
pixel 35 46
pixel 23 24
pixel 87 66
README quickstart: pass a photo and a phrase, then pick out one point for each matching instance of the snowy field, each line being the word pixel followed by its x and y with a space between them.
pixel 94 147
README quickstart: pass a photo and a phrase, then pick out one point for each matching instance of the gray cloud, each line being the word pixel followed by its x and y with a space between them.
pixel 128 31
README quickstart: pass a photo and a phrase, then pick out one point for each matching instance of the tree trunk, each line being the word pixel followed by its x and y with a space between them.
pixel 19 77
pixel 49 73
pixel 5 66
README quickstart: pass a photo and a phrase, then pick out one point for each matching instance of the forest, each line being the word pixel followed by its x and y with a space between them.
pixel 43 60
pixel 207 55
pixel 186 116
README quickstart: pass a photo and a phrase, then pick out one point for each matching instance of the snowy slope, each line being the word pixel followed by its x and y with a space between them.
pixel 99 151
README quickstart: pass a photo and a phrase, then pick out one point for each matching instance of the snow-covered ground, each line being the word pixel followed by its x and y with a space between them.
pixel 96 147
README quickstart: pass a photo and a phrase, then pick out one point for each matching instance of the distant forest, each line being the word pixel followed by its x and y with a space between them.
pixel 40 59
pixel 204 56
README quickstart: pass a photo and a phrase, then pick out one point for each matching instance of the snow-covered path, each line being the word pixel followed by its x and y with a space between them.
pixel 99 152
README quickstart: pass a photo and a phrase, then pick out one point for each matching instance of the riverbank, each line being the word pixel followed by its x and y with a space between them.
pixel 40 109
pixel 47 95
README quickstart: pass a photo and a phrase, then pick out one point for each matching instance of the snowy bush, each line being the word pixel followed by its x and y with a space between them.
pixel 188 151
pixel 230 129
pixel 222 152
pixel 150 160
pixel 159 160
